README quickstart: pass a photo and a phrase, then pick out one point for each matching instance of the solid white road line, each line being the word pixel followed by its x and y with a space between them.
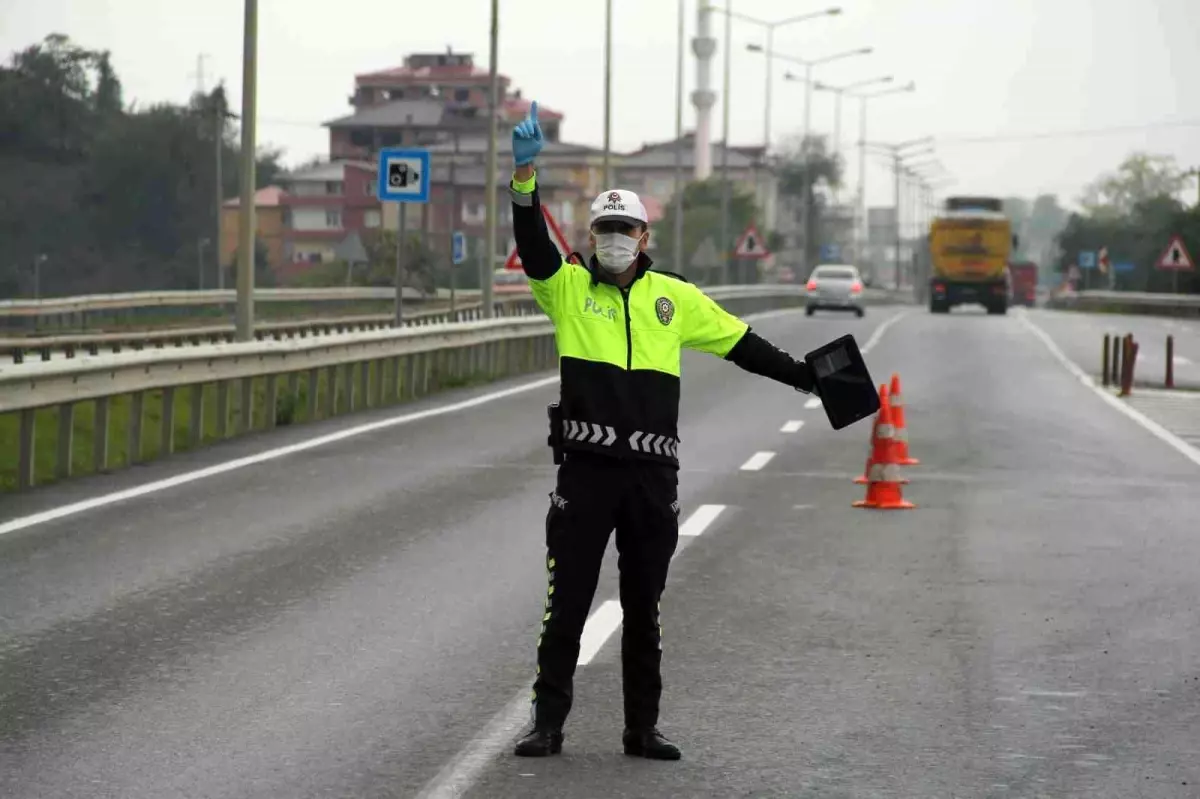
pixel 792 426
pixel 879 331
pixel 600 625
pixel 464 769
pixel 757 461
pixel 699 521
pixel 1182 447
pixel 812 402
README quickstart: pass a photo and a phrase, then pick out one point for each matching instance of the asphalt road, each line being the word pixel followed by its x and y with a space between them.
pixel 1081 335
pixel 356 619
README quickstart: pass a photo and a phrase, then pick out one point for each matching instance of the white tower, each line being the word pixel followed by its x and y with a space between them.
pixel 704 46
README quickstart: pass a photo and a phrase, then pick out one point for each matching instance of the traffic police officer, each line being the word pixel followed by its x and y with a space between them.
pixel 619 329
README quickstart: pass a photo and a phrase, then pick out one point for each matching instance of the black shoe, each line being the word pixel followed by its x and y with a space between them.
pixel 650 744
pixel 540 742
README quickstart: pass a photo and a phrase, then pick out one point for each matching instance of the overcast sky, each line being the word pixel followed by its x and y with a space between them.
pixel 984 69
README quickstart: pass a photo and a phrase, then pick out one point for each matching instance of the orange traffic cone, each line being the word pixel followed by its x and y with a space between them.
pixel 901 442
pixel 862 478
pixel 883 475
pixel 871 447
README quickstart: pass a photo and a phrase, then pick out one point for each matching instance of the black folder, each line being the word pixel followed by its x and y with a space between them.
pixel 843 382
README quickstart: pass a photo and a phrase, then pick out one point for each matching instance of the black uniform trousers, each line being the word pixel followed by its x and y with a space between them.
pixel 594 495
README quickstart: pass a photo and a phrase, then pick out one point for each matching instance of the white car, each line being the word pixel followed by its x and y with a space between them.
pixel 834 287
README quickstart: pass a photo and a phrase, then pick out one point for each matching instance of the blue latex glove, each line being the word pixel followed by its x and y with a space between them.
pixel 527 138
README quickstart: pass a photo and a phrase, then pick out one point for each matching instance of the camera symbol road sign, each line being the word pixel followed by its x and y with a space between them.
pixel 404 175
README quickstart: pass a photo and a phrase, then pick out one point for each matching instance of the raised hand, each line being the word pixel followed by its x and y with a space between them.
pixel 527 139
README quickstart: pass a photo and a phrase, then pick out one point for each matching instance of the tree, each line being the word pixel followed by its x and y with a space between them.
pixel 263 276
pixel 115 199
pixel 808 169
pixel 1134 223
pixel 1140 177
pixel 701 220
pixel 420 262
pixel 1036 223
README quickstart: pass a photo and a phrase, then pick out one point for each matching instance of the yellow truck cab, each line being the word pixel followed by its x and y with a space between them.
pixel 970 242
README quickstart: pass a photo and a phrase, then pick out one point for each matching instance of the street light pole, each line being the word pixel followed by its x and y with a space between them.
pixel 896 154
pixel 805 145
pixel 245 265
pixel 489 257
pixel 679 186
pixel 839 92
pixel 862 158
pixel 767 90
pixel 862 177
pixel 725 248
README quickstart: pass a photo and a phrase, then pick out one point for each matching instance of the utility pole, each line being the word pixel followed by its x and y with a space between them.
pixel 726 246
pixel 809 188
pixel 245 273
pixel 607 94
pixel 455 211
pixel 896 176
pixel 485 279
pixel 679 185
pixel 219 114
pixel 863 229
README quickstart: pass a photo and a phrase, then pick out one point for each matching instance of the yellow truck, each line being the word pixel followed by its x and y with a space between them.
pixel 970 242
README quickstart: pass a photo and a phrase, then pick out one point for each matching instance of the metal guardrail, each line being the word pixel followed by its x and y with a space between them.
pixel 21 348
pixel 83 303
pixel 321 376
pixel 1186 305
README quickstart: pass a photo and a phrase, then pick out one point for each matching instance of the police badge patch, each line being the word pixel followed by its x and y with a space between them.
pixel 665 310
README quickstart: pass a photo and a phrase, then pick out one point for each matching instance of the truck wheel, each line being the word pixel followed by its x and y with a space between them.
pixel 998 309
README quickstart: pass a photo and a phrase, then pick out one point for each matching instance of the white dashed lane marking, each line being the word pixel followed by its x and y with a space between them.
pixel 757 461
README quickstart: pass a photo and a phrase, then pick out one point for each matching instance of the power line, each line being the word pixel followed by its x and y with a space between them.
pixel 1068 134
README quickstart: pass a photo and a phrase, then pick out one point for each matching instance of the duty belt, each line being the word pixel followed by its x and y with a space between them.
pixel 606 436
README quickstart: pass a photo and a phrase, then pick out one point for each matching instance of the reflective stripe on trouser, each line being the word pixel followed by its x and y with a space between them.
pixel 595 495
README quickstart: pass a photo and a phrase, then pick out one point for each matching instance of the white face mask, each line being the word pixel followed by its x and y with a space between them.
pixel 616 251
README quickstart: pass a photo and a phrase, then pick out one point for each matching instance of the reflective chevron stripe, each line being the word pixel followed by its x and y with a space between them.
pixel 591 433
pixel 653 444
pixel 606 436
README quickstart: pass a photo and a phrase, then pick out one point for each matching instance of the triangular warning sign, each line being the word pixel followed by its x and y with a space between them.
pixel 556 235
pixel 1175 256
pixel 750 244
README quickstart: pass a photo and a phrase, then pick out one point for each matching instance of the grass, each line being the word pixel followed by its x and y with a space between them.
pixel 288 410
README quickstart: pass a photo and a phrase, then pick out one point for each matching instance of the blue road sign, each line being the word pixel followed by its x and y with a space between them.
pixel 1087 260
pixel 403 175
pixel 458 247
pixel 830 252
pixel 1124 266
